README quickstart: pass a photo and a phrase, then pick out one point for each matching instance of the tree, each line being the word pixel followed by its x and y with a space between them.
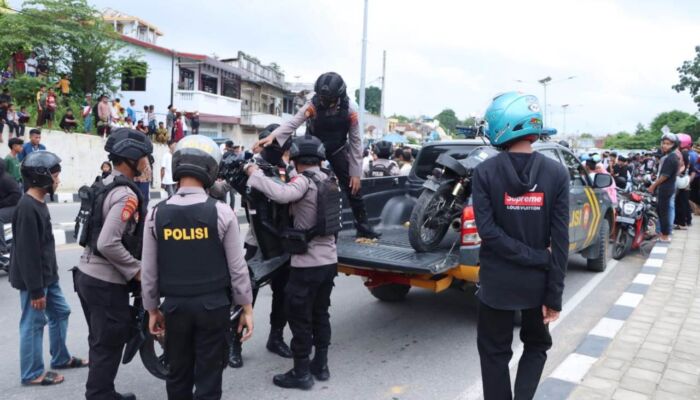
pixel 469 121
pixel 641 130
pixel 74 39
pixel 373 99
pixel 677 121
pixel 689 77
pixel 586 136
pixel 448 119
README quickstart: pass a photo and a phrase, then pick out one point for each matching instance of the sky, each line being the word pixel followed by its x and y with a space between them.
pixel 623 54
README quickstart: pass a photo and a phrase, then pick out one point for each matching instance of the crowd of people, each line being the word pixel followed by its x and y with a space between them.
pixel 669 172
pixel 383 158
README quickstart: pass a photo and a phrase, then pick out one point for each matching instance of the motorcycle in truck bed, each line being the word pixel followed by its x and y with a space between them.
pixel 390 266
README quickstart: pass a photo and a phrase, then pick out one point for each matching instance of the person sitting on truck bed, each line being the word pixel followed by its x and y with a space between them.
pixel 521 204
pixel 382 165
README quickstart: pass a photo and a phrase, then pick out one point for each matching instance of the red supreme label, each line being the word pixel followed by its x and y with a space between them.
pixel 526 200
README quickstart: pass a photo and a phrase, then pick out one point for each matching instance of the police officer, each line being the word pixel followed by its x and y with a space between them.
pixel 192 257
pixel 332 118
pixel 382 165
pixel 270 218
pixel 521 202
pixel 313 268
pixel 111 260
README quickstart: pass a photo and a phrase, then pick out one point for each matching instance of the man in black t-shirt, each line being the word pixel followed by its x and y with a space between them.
pixel 665 184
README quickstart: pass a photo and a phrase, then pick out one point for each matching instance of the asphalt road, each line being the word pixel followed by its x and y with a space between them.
pixel 423 348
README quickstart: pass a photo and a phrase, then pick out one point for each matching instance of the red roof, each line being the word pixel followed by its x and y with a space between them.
pixel 162 49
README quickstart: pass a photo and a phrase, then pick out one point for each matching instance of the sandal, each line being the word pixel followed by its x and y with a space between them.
pixel 74 362
pixel 50 378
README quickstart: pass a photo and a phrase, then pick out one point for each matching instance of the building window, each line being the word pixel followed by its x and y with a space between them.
pixel 231 88
pixel 209 84
pixel 134 79
pixel 186 79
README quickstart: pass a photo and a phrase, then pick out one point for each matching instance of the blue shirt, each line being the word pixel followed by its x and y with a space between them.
pixel 131 114
pixel 28 148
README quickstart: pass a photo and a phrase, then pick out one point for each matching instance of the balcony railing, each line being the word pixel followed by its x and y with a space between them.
pixel 258 119
pixel 207 103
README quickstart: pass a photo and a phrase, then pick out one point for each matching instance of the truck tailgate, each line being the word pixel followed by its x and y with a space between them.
pixel 392 252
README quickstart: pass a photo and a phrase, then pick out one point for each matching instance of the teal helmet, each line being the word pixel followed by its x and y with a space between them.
pixel 511 116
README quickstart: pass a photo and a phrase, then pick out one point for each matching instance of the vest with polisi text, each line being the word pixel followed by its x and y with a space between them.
pixel 191 257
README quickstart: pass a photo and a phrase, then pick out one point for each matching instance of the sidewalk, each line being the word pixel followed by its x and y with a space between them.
pixel 656 352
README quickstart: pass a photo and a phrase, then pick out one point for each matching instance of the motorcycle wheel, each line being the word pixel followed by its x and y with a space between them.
pixel 152 359
pixel 623 243
pixel 424 238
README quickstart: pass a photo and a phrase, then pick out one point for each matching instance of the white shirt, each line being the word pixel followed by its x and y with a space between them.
pixel 405 169
pixel 31 64
pixel 167 163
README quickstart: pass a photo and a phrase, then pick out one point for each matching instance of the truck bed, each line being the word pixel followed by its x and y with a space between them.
pixel 393 252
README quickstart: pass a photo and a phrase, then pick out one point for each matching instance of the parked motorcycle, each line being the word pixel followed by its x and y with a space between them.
pixel 5 256
pixel 444 195
pixel 636 222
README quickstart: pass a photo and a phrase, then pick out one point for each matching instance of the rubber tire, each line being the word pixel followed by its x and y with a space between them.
pixel 392 292
pixel 153 363
pixel 599 263
pixel 416 221
pixel 622 245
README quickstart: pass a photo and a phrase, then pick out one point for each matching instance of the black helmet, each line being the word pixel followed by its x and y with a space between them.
pixel 267 131
pixel 197 156
pixel 128 144
pixel 329 87
pixel 37 168
pixel 307 146
pixel 382 149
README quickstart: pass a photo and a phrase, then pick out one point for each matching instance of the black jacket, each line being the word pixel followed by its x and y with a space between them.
pixel 518 216
pixel 9 190
pixel 33 264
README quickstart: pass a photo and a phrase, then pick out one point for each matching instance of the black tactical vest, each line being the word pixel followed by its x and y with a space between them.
pixel 331 126
pixel 268 218
pixel 191 257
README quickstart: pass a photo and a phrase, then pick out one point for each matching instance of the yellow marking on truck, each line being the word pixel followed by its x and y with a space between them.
pixel 595 208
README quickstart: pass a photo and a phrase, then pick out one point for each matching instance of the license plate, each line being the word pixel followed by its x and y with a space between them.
pixel 625 220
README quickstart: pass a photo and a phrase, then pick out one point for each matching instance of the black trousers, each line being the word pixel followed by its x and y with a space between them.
pixel 197 352
pixel 341 169
pixel 494 339
pixel 278 318
pixel 308 297
pixel 106 308
pixel 683 214
pixel 663 204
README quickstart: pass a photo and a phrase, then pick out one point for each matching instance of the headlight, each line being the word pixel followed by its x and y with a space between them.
pixel 629 208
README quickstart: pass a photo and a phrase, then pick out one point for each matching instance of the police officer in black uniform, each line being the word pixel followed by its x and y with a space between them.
pixel 192 257
pixel 265 220
pixel 314 260
pixel 111 261
pixel 331 117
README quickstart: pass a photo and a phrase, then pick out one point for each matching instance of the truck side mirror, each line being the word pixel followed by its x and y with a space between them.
pixel 602 180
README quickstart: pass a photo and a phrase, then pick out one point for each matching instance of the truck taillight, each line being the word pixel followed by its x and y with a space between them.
pixel 470 236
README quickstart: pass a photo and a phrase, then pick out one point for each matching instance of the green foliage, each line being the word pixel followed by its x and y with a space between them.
pixel 586 136
pixel 677 121
pixel 470 121
pixel 448 120
pixel 73 38
pixel 373 99
pixel 641 129
pixel 689 77
pixel 23 90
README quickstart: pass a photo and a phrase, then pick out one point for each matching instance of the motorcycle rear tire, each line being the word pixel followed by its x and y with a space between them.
pixel 622 245
pixel 418 216
pixel 154 363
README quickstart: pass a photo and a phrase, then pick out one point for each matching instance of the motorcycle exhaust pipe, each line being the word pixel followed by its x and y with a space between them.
pixel 457 189
pixel 456 225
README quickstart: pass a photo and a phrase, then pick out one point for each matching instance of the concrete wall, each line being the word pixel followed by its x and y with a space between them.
pixel 81 157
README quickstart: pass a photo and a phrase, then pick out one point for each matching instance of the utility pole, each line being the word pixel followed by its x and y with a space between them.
pixel 363 73
pixel 564 107
pixel 381 108
pixel 544 82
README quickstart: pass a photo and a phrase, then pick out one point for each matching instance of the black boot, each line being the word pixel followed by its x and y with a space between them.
pixel 319 365
pixel 276 344
pixel 126 396
pixel 364 229
pixel 298 377
pixel 235 360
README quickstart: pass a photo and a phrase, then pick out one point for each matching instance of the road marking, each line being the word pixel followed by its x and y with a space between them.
pixel 644 279
pixel 659 250
pixel 574 368
pixel 629 299
pixel 475 391
pixel 654 262
pixel 607 327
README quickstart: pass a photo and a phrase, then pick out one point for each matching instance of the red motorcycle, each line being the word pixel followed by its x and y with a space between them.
pixel 636 222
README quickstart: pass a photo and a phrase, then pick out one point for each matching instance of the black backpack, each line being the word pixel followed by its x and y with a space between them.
pixel 379 170
pixel 89 221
